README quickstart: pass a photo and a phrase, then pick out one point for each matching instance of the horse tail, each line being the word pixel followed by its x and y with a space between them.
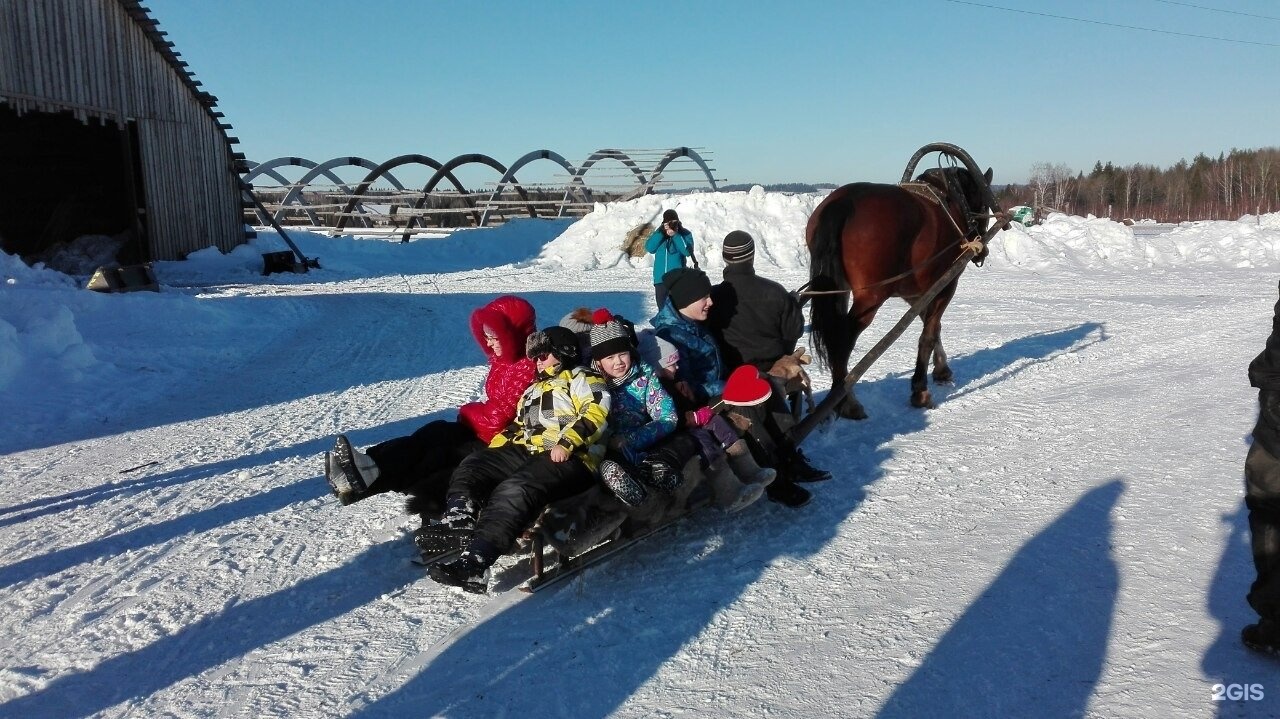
pixel 829 324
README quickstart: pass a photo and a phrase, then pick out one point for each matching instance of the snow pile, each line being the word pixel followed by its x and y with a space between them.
pixel 776 220
pixel 1096 244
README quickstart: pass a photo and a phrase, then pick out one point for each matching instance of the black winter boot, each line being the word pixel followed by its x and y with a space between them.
pixel 796 468
pixel 787 493
pixel 468 571
pixel 454 530
pixel 1262 637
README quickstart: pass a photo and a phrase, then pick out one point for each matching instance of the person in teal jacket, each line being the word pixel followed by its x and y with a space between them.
pixel 671 244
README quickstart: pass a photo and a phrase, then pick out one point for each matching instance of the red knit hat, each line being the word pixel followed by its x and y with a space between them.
pixel 601 316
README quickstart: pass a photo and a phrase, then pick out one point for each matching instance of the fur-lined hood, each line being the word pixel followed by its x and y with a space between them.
pixel 512 319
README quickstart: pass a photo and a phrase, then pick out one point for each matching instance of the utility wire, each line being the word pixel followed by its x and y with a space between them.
pixel 1112 24
pixel 1215 9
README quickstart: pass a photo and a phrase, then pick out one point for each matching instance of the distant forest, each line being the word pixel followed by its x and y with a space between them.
pixel 1238 183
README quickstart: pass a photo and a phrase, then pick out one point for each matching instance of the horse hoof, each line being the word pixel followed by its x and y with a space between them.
pixel 947 378
pixel 851 410
pixel 922 400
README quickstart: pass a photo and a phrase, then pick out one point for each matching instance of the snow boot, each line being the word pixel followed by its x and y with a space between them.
pixel 454 530
pixel 730 493
pixel 350 472
pixel 468 571
pixel 1262 637
pixel 788 493
pixel 796 468
pixel 627 488
pixel 744 465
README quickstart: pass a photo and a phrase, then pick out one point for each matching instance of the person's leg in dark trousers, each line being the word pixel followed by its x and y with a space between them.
pixel 474 480
pixel 513 505
pixel 660 294
pixel 1262 497
pixel 517 501
pixel 405 461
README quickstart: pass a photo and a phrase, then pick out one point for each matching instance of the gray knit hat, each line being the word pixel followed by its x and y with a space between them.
pixel 738 247
pixel 609 338
pixel 657 352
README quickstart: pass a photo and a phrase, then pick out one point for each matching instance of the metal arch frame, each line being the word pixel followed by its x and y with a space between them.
pixel 390 165
pixel 510 175
pixel 679 152
pixel 325 168
pixel 447 171
pixel 255 170
pixel 605 154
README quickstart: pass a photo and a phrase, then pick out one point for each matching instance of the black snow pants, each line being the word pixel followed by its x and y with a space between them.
pixel 422 463
pixel 513 487
pixel 1262 497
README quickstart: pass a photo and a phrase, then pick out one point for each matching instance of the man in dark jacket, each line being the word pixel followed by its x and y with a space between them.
pixel 1262 497
pixel 756 321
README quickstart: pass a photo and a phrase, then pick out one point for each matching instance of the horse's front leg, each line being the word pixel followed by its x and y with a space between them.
pixel 942 373
pixel 930 346
pixel 920 396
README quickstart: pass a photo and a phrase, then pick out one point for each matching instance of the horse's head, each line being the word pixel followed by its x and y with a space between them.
pixel 961 188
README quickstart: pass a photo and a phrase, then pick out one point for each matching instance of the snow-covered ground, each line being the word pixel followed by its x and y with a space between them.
pixel 1063 535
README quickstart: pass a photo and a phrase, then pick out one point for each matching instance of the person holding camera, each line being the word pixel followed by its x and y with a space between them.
pixel 671 244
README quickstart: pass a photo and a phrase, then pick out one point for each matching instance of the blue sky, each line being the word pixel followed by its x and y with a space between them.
pixel 802 91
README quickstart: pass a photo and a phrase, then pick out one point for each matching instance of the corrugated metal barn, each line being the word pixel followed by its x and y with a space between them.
pixel 103 131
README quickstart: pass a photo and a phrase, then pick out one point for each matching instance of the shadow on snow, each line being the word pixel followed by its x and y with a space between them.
pixel 346 344
pixel 1035 641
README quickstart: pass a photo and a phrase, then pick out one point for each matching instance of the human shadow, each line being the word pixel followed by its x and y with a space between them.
pixel 342 349
pixel 616 625
pixel 1034 643
pixel 1227 661
pixel 216 639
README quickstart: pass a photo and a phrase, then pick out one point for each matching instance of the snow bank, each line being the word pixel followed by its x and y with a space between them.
pixel 777 222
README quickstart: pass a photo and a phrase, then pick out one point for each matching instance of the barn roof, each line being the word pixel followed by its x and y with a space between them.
pixel 159 39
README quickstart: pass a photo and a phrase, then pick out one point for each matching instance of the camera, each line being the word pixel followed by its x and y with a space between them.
pixel 674 225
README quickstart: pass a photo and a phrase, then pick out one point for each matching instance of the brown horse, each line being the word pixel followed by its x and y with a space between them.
pixel 880 241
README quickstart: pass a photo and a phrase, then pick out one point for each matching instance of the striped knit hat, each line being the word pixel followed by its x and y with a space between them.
pixel 609 338
pixel 738 247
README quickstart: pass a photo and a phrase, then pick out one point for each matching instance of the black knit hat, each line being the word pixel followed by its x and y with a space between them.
pixel 670 216
pixel 685 286
pixel 610 338
pixel 559 341
pixel 738 247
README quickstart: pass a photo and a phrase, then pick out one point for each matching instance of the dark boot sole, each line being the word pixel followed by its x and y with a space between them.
pixel 438 574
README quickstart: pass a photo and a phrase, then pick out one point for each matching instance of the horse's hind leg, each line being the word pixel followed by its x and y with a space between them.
pixel 860 316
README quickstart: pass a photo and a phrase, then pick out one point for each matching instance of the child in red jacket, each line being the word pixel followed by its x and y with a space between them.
pixel 420 464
